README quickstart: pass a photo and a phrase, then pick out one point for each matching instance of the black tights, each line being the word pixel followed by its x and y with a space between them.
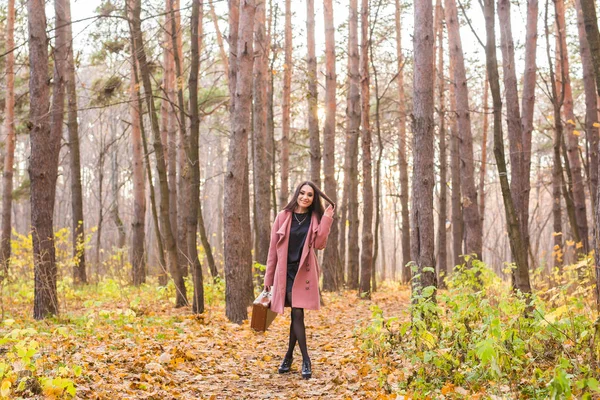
pixel 297 331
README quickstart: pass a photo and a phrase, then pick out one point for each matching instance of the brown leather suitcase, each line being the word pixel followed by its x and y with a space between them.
pixel 262 316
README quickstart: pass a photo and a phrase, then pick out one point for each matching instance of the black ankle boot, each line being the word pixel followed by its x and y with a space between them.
pixel 306 369
pixel 285 366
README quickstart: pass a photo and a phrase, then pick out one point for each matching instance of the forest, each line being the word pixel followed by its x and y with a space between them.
pixel 149 148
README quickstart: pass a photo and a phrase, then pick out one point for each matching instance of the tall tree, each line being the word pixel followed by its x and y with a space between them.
pixel 167 231
pixel 193 158
pixel 571 138
pixel 527 108
pixel 590 22
pixel 262 162
pixel 313 95
pixel 442 267
pixel 422 239
pixel 43 167
pixel 138 225
pixel 482 170
pixel 285 108
pixel 591 104
pixel 353 117
pixel 473 228
pixel 79 272
pixel 9 158
pixel 237 243
pixel 518 250
pixel 456 197
pixel 333 276
pixel 402 154
pixel 366 251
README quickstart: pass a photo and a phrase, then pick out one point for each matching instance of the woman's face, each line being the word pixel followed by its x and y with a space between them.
pixel 306 196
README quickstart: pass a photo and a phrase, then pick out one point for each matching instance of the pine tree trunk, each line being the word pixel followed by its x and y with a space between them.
pixel 353 114
pixel 442 265
pixel 572 140
pixel 482 171
pixel 9 158
pixel 591 105
pixel 193 158
pixel 184 183
pixel 262 162
pixel 402 154
pixel 527 108
pixel 423 236
pixel 333 277
pixel 237 243
pixel 224 58
pixel 313 95
pixel 79 268
pixel 162 277
pixel 518 249
pixel 456 199
pixel 284 190
pixel 138 228
pixel 472 221
pixel 43 166
pixel 593 36
pixel 167 231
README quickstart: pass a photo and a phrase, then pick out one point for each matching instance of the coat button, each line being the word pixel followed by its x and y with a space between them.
pixel 307 281
pixel 307 288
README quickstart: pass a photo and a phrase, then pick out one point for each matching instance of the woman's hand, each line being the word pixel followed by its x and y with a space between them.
pixel 329 211
pixel 267 288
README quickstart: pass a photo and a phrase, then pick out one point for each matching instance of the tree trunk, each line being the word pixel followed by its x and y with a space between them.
pixel 518 183
pixel 224 58
pixel 167 231
pixel 262 164
pixel 422 239
pixel 483 168
pixel 333 276
pixel 271 148
pixel 236 242
pixel 114 209
pixel 591 105
pixel 162 277
pixel 376 229
pixel 527 108
pixel 442 265
pixel 9 158
pixel 472 221
pixel 570 136
pixel 456 199
pixel 193 158
pixel 43 166
pixel 402 154
pixel 593 36
pixel 79 271
pixel 366 253
pixel 353 112
pixel 138 228
pixel 518 249
pixel 285 108
pixel 183 200
pixel 313 95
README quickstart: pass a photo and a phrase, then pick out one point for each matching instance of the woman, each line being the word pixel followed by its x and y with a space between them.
pixel 292 270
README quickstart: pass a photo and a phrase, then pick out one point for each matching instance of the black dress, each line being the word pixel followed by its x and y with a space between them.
pixel 298 232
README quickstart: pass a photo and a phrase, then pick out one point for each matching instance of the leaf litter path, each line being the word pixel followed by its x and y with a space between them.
pixel 176 355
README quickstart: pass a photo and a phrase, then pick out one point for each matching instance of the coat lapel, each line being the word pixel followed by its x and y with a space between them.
pixel 284 229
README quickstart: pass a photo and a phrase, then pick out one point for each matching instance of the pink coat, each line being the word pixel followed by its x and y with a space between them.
pixel 305 292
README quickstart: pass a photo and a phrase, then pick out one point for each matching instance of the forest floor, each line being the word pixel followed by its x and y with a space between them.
pixel 129 348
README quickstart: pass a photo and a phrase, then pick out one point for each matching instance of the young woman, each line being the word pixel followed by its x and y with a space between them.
pixel 292 270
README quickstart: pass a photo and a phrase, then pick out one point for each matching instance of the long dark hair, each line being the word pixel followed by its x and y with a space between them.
pixel 316 206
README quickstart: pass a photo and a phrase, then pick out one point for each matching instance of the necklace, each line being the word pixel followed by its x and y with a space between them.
pixel 304 219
